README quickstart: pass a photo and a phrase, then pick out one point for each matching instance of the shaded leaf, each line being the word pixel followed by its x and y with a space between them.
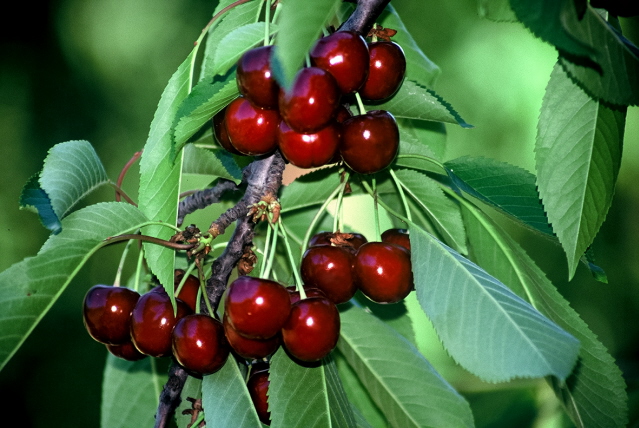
pixel 310 189
pixel 216 163
pixel 400 380
pixel 594 394
pixel 237 42
pixel 485 327
pixel 341 410
pixel 577 154
pixel 33 198
pixel 192 389
pixel 431 134
pixel 496 10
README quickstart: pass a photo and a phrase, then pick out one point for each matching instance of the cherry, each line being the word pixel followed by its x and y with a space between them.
pixel 152 321
pixel 312 329
pixel 190 289
pixel 310 292
pixel 249 348
pixel 383 272
pixel 220 133
pixel 345 55
pixel 324 238
pixel 311 102
pixel 199 344
pixel 329 269
pixel 370 141
pixel 308 150
pixel 397 236
pixel 126 351
pixel 386 71
pixel 255 79
pixel 256 308
pixel 251 130
pixel 342 114
pixel 257 386
pixel 107 313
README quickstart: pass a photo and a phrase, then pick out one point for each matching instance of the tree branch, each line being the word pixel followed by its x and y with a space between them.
pixel 203 198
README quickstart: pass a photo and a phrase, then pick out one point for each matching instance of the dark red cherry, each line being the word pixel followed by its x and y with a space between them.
pixel 249 348
pixel 308 150
pixel 220 133
pixel 256 308
pixel 107 313
pixel 329 269
pixel 255 79
pixel 324 238
pixel 152 321
pixel 199 344
pixel 310 292
pixel 370 141
pixel 397 236
pixel 383 272
pixel 311 102
pixel 190 289
pixel 342 114
pixel 345 55
pixel 252 130
pixel 257 386
pixel 387 68
pixel 126 351
pixel 312 329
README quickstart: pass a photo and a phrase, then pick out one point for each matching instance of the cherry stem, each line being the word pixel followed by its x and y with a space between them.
pixel 184 278
pixel 188 193
pixel 422 157
pixel 378 233
pixel 202 293
pixel 121 193
pixel 360 103
pixel 384 205
pixel 138 270
pixel 265 253
pixel 118 274
pixel 338 219
pixel 311 227
pixel 151 239
pixel 118 187
pixel 296 274
pixel 267 22
pixel 402 195
pixel 271 250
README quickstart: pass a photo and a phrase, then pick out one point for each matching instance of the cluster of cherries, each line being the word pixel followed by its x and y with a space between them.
pixel 309 122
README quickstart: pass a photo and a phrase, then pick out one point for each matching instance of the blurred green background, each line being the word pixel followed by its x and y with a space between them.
pixel 94 70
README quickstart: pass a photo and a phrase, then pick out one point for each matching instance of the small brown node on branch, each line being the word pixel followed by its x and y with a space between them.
pixel 190 235
pixel 379 32
pixel 194 411
pixel 247 261
pixel 267 207
pixel 342 239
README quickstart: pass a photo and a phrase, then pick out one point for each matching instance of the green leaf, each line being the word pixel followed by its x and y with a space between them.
pixel 71 171
pixel 192 389
pixel 485 327
pixel 400 380
pixel 496 10
pixel 430 134
pixel 237 42
pixel 410 146
pixel 216 163
pixel 506 187
pixel 577 154
pixel 130 392
pixel 309 189
pixel 418 67
pixel 160 175
pixel 341 409
pixel 226 400
pixel 413 101
pixel 300 26
pixel 29 288
pixel 199 107
pixel 594 394
pixel 297 395
pixel 395 315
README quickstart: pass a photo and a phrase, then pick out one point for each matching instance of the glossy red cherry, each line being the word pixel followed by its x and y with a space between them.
pixel 345 55
pixel 107 313
pixel 310 292
pixel 311 102
pixel 199 344
pixel 342 114
pixel 255 79
pixel 383 272
pixel 252 130
pixel 249 348
pixel 126 351
pixel 256 308
pixel 308 150
pixel 152 321
pixel 387 68
pixel 312 329
pixel 189 291
pixel 397 236
pixel 220 133
pixel 329 269
pixel 370 141
pixel 257 386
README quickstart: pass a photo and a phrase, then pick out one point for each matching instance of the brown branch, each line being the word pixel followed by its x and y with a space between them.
pixel 204 198
pixel 170 396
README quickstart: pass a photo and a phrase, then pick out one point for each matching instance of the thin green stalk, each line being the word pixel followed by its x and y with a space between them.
pixel 321 211
pixel 118 275
pixel 400 189
pixel 391 211
pixel 138 270
pixel 184 278
pixel 378 232
pixel 278 9
pixel 296 274
pixel 266 251
pixel 338 209
pixel 202 293
pixel 360 103
pixel 272 251
pixel 267 22
pixel 422 157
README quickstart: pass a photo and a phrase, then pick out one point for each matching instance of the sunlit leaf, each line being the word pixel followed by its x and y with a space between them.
pixel 431 134
pixel 310 189
pixel 341 410
pixel 216 163
pixel 192 389
pixel 496 10
pixel 237 42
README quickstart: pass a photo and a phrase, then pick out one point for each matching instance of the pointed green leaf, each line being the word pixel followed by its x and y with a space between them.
pixel 226 400
pixel 297 395
pixel 192 389
pixel 413 101
pixel 419 68
pixel 594 394
pixel 413 154
pixel 237 42
pixel 300 26
pixel 310 189
pixel 400 380
pixel 507 187
pixel 216 163
pixel 485 327
pixel 130 392
pixel 199 107
pixel 29 288
pixel 160 175
pixel 577 154
pixel 430 134
pixel 341 409
pixel 496 10
pixel 34 199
